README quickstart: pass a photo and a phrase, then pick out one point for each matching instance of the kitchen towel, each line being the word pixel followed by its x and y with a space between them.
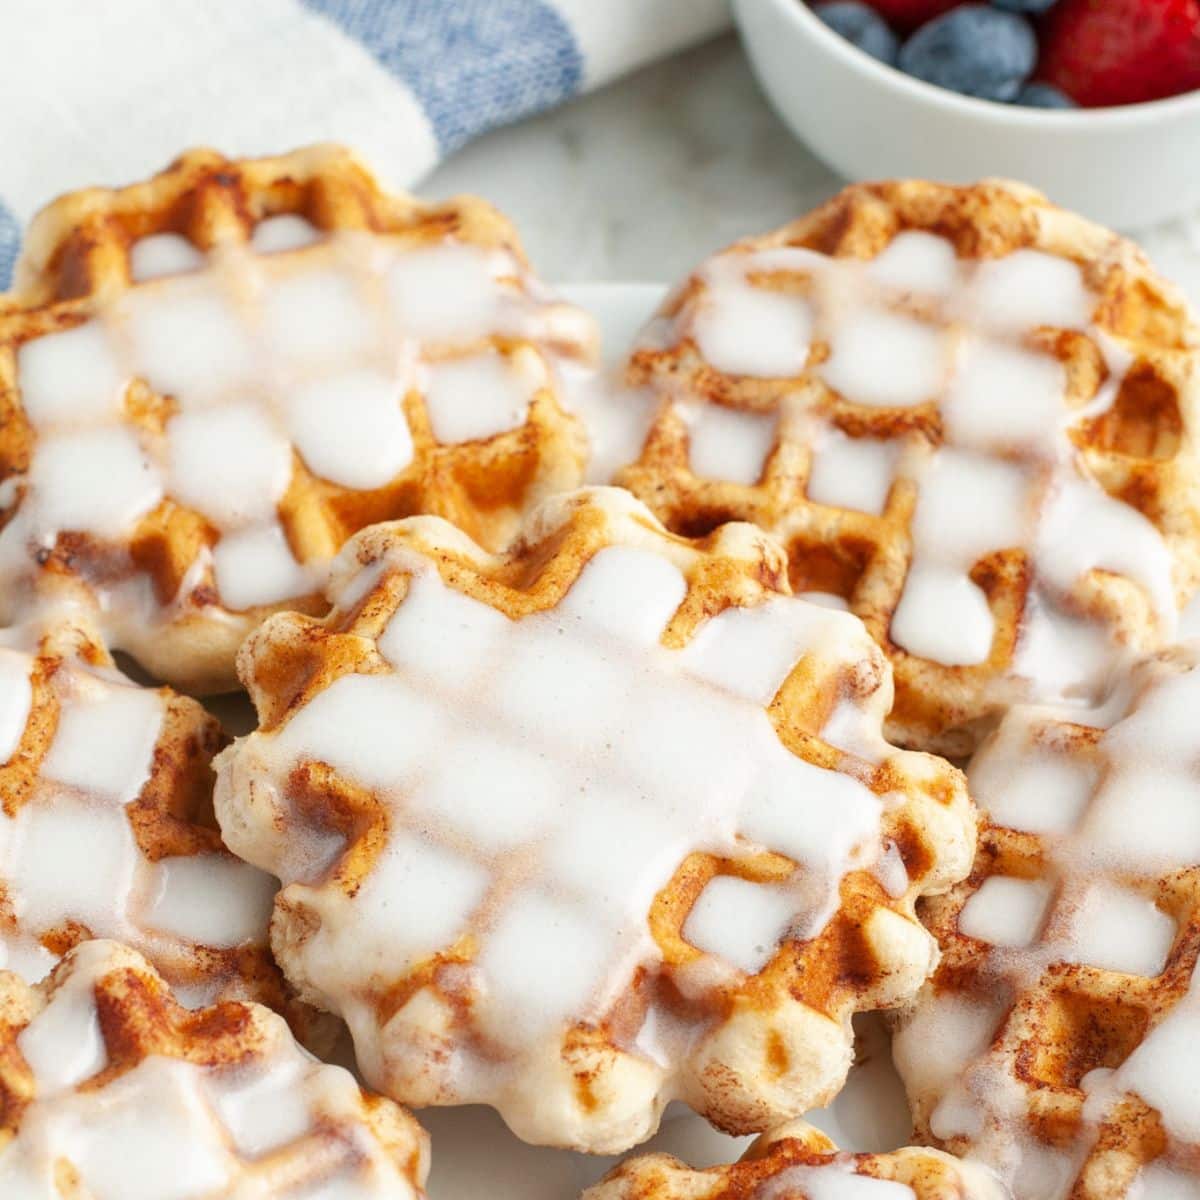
pixel 110 92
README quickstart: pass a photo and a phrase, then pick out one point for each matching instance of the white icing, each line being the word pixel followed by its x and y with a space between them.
pixel 296 342
pixel 169 1149
pixel 1005 911
pixel 1044 1173
pixel 617 420
pixel 739 921
pixel 1036 792
pixel 750 651
pixel 832 1181
pixel 916 325
pixel 943 615
pixel 479 397
pixel 542 961
pixel 266 1111
pixel 284 232
pixel 64 1045
pixel 918 262
pixel 70 861
pixel 1060 654
pixel 211 900
pixel 105 741
pixel 68 852
pixel 545 777
pixel 883 360
pixel 724 443
pixel 173 1129
pixel 416 901
pixel 849 472
pixel 317 416
pixel 70 378
pixel 1027 289
pixel 1165 1069
pixel 16 698
pixel 826 600
pixel 491 773
pixel 1145 818
pixel 96 482
pixel 315 315
pixel 25 957
pixel 1157 1182
pixel 186 337
pixel 998 517
pixel 845 817
pixel 1120 930
pixel 448 292
pixel 410 642
pixel 1111 793
pixel 749 330
pixel 1120 539
pixel 256 566
pixel 230 464
pixel 1162 718
pixel 163 254
pixel 348 723
pixel 959 1028
pixel 1004 396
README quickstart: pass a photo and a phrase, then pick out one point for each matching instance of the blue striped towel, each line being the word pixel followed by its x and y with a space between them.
pixel 108 93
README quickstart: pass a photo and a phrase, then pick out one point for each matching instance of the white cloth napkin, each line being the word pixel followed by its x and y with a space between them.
pixel 109 91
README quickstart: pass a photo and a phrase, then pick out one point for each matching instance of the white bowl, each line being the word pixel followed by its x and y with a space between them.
pixel 1129 167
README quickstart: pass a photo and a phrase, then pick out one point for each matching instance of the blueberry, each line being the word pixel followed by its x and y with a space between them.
pixel 975 50
pixel 862 26
pixel 1044 95
pixel 1032 7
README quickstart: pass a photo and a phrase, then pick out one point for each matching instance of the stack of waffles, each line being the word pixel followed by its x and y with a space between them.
pixel 579 800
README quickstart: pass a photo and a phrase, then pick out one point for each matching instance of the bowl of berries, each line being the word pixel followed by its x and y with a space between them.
pixel 1095 102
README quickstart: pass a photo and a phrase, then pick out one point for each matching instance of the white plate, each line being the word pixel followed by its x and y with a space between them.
pixel 474 1155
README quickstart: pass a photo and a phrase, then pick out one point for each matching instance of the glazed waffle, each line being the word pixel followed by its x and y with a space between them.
pixel 799 1162
pixel 210 380
pixel 110 1090
pixel 1058 1039
pixel 106 825
pixel 970 416
pixel 597 823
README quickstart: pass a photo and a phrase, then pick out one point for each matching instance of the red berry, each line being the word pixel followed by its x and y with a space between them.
pixel 906 15
pixel 1121 51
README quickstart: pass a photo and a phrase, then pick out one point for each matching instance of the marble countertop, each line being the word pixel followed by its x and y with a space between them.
pixel 641 180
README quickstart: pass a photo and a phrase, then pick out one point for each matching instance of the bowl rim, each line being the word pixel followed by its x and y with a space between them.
pixel 807 24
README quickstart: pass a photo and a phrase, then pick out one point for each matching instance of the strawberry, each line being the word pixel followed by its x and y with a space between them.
pixel 1121 51
pixel 905 15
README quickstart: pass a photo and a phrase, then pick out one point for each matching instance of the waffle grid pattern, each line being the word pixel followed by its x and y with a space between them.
pixel 135 854
pixel 1059 1074
pixel 1129 393
pixel 108 1085
pixel 314 221
pixel 757 1047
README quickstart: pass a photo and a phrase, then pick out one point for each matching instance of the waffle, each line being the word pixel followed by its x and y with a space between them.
pixel 1057 1040
pixel 210 380
pixel 106 825
pixel 971 418
pixel 540 822
pixel 109 1090
pixel 799 1162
